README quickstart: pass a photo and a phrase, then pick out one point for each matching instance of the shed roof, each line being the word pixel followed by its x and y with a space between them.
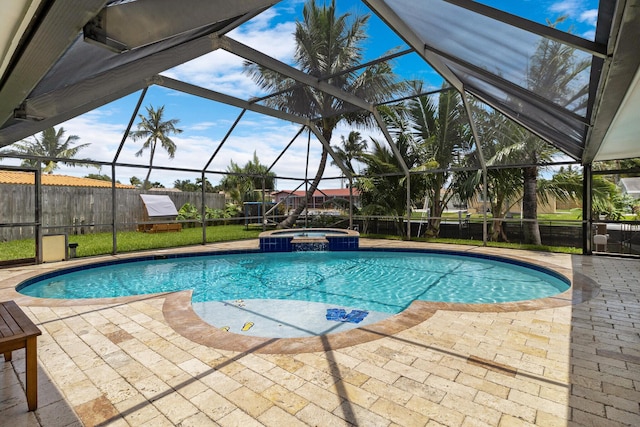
pixel 631 185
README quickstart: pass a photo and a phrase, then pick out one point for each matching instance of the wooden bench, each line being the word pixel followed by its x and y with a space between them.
pixel 18 331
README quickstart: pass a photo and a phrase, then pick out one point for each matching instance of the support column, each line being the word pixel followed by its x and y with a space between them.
pixel 408 207
pixel 114 212
pixel 587 221
pixel 204 210
pixel 38 212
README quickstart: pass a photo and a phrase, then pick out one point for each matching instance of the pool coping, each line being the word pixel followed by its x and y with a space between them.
pixel 179 314
pixel 338 232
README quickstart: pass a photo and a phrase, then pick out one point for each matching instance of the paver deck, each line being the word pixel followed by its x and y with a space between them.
pixel 567 361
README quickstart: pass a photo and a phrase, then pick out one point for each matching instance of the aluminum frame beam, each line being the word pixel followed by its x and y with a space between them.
pixel 617 75
pixel 223 141
pixel 59 27
pixel 514 117
pixel 65 103
pixel 22 130
pixel 250 54
pixel 386 14
pixel 493 78
pixel 118 26
pixel 212 95
pixel 312 126
pixel 394 148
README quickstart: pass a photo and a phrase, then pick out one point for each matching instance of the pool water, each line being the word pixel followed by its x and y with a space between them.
pixel 370 280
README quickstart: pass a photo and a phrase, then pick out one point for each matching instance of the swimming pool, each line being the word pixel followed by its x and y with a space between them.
pixel 381 281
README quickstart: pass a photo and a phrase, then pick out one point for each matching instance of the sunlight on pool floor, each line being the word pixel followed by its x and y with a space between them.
pixel 280 318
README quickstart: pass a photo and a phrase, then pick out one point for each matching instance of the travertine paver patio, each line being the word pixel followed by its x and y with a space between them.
pixel 132 361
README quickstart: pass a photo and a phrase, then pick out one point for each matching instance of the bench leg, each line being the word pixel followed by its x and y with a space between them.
pixel 31 361
pixel 7 356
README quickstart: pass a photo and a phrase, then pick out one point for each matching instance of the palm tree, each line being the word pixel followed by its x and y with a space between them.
pixel 438 130
pixel 48 150
pixel 135 181
pixel 351 149
pixel 504 185
pixel 383 186
pixel 153 129
pixel 327 45
pixel 606 196
pixel 185 185
pixel 442 129
pixel 242 181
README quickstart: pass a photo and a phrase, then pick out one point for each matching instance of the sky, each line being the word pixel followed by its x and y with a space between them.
pixel 205 123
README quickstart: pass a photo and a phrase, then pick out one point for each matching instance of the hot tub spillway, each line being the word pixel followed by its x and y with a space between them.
pixel 309 239
pixel 304 243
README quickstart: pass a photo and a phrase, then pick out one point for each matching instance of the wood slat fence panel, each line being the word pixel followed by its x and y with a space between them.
pixel 82 210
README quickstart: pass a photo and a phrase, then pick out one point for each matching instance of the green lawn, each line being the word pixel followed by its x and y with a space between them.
pixel 542 248
pixel 101 243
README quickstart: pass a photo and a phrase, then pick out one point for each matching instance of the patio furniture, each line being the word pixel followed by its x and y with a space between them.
pixel 600 240
pixel 18 331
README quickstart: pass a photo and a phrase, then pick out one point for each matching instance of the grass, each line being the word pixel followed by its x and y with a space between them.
pixel 568 218
pixel 17 249
pixel 131 241
pixel 101 243
pixel 541 248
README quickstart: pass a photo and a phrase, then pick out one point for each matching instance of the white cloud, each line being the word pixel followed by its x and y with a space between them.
pixel 589 35
pixel 223 71
pixel 195 150
pixel 580 14
pixel 202 126
pixel 589 16
pixel 566 7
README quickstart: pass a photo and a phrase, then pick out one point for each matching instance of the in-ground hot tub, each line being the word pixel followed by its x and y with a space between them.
pixel 332 239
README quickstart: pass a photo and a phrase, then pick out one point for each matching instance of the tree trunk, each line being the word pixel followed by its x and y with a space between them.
pixel 498 229
pixel 433 228
pixel 145 184
pixel 291 219
pixel 530 206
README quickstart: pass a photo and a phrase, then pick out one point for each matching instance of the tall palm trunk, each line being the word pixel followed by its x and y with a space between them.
pixel 530 206
pixel 433 228
pixel 145 184
pixel 289 221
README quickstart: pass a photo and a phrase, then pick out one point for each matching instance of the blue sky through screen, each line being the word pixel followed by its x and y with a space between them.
pixel 205 123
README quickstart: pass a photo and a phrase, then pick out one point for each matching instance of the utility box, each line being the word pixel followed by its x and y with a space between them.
pixel 54 247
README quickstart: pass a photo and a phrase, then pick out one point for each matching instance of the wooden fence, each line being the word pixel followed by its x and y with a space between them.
pixel 82 210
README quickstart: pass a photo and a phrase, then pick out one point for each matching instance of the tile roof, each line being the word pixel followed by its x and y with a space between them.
pixel 14 177
pixel 329 192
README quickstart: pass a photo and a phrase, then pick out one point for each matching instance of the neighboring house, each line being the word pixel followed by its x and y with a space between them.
pixel 631 187
pixel 322 200
pixel 28 178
